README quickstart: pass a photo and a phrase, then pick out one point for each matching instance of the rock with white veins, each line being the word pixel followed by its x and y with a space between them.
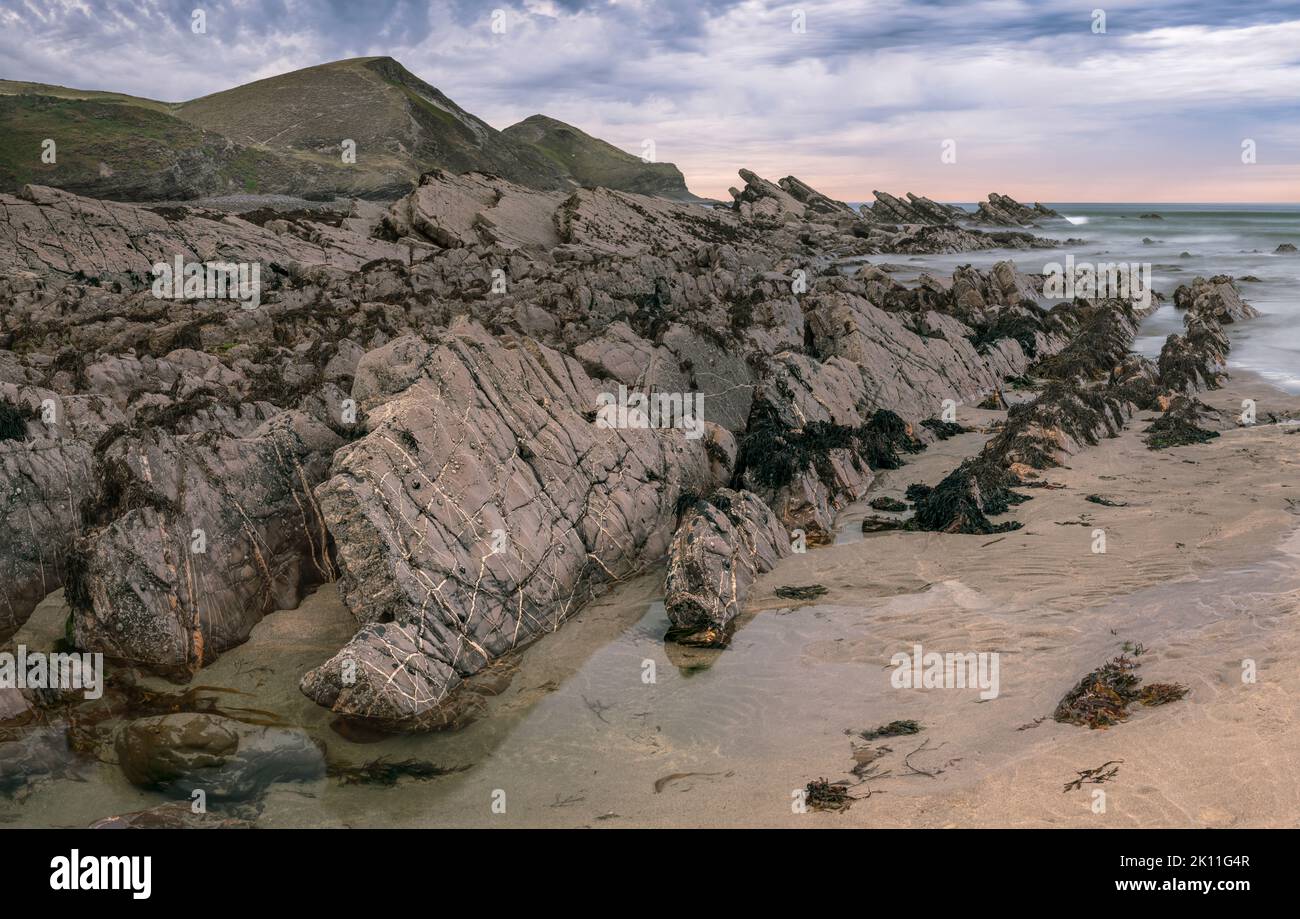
pixel 723 543
pixel 484 506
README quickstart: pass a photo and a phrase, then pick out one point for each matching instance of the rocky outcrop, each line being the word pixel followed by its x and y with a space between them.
pixel 199 536
pixel 815 203
pixel 490 499
pixel 890 209
pixel 723 543
pixel 1216 298
pixel 46 230
pixel 452 211
pixel 765 203
pixel 1005 211
pixel 438 379
pixel 1197 359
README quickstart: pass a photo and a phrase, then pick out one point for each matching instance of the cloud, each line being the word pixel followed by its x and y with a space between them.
pixel 1039 104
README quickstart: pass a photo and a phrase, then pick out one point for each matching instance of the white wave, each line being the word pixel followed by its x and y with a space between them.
pixel 1076 220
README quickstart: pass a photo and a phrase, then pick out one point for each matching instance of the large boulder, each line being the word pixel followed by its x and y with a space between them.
pixel 202 536
pixel 489 501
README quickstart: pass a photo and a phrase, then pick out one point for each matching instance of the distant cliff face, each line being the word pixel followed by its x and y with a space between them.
pixel 591 162
pixel 288 135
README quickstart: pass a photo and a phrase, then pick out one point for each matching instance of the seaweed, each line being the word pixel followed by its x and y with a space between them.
pixel 944 429
pixel 1101 699
pixel 901 728
pixel 13 420
pixel 1162 693
pixel 1178 426
pixel 823 795
pixel 386 772
pixel 961 501
pixel 1094 776
pixel 1021 326
pixel 774 454
pixel 916 491
pixel 888 504
pixel 808 592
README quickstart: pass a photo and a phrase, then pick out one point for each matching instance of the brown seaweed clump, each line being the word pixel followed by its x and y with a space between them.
pixel 808 592
pixel 827 796
pixel 386 772
pixel 1102 698
pixel 893 729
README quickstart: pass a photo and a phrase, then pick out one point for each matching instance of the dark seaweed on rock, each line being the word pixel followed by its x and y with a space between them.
pixel 807 592
pixel 1193 360
pixel 961 501
pixel 944 429
pixel 13 420
pixel 1022 324
pixel 386 772
pixel 1179 426
pixel 775 454
pixel 1100 343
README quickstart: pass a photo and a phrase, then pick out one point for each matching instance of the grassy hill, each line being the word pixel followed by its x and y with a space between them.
pixel 592 162
pixel 124 151
pixel 283 135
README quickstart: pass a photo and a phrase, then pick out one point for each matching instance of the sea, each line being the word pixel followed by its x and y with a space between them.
pixel 1186 240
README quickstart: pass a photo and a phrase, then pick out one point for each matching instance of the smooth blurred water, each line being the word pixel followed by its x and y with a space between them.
pixel 1233 239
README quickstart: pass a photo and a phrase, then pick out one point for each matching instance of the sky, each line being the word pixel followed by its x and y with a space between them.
pixel 948 100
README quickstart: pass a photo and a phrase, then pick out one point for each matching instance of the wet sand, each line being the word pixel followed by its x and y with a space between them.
pixel 604 725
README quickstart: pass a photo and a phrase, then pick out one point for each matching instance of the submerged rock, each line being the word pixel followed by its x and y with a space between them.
pixel 228 760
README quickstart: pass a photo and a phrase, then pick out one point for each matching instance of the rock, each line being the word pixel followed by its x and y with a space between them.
pixel 1216 298
pixel 1284 249
pixel 14 706
pixel 453 211
pixel 201 537
pixel 765 203
pixel 44 229
pixel 38 754
pixel 815 203
pixel 481 510
pixel 723 543
pixel 888 209
pixel 1002 210
pixel 45 474
pixel 433 412
pixel 228 760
